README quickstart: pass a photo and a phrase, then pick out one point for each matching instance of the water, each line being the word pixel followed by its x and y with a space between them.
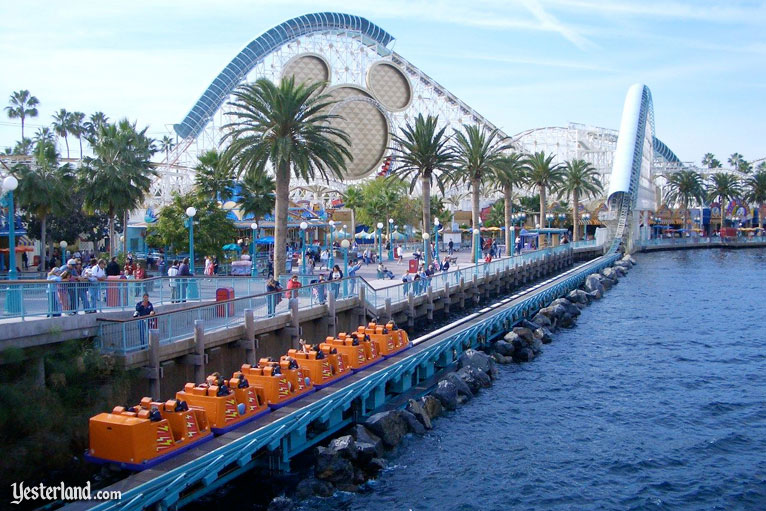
pixel 656 400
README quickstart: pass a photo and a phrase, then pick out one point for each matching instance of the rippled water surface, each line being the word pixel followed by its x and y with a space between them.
pixel 656 400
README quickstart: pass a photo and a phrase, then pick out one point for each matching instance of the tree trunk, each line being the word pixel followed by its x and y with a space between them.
pixel 542 213
pixel 66 141
pixel 425 185
pixel 280 218
pixel 22 129
pixel 353 226
pixel 575 215
pixel 507 190
pixel 80 139
pixel 475 212
pixel 43 228
pixel 111 234
pixel 125 238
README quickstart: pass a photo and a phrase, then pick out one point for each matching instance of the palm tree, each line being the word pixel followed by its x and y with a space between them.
pixel 509 173
pixel 580 180
pixel 95 121
pixel 43 187
pixel 755 188
pixel 542 173
pixel 22 104
pixel 286 126
pixel 737 162
pixel 723 187
pixel 167 145
pixel 62 126
pixel 213 178
pixel 44 134
pixel 256 195
pixel 116 179
pixel 478 154
pixel 683 188
pixel 23 146
pixel 78 128
pixel 353 199
pixel 423 155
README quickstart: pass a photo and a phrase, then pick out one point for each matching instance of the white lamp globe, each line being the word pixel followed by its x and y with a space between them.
pixel 426 236
pixel 254 226
pixel 345 244
pixel 436 222
pixel 380 225
pixel 63 244
pixel 10 183
pixel 476 231
pixel 191 211
pixel 390 220
pixel 304 226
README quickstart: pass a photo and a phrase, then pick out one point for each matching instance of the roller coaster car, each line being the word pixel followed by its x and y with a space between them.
pixel 355 352
pixel 338 364
pixel 401 334
pixel 317 366
pixel 279 387
pixel 229 405
pixel 142 436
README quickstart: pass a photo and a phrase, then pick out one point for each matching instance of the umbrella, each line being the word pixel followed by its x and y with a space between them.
pixel 266 240
pixel 232 247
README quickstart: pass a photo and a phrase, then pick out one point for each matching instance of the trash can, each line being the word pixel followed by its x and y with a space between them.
pixel 223 294
pixel 116 291
pixel 413 268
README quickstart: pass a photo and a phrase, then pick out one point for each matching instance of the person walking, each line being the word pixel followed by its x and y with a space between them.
pixel 450 247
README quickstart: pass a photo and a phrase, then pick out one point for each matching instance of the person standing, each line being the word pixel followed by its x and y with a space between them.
pixel 54 307
pixel 336 276
pixel 275 294
pixel 113 268
pixel 355 267
pixel 144 309
pixel 184 272
pixel 450 247
pixel 174 287
pixel 292 287
pixel 208 266
pixel 139 274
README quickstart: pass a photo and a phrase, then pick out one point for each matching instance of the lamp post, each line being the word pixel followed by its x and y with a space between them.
pixel 254 227
pixel 380 242
pixel 303 227
pixel 436 239
pixel 190 212
pixel 426 248
pixel 344 245
pixel 13 305
pixel 390 239
pixel 63 245
pixel 331 251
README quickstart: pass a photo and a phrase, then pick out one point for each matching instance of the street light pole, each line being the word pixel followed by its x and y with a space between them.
pixel 390 239
pixel 331 250
pixel 303 227
pixel 477 250
pixel 254 227
pixel 190 212
pixel 436 238
pixel 10 183
pixel 380 242
pixel 426 248
pixel 344 245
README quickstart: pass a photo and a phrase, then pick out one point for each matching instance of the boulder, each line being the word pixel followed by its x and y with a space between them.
pixel 313 486
pixel 523 332
pixel 365 452
pixel 596 295
pixel 569 307
pixel 578 296
pixel 608 283
pixel 461 381
pixel 547 337
pixel 432 406
pixel 390 426
pixel 537 343
pixel 474 378
pixel 359 476
pixel 502 359
pixel 593 283
pixel 528 324
pixel 608 273
pixel 479 360
pixel 281 503
pixel 416 408
pixel 364 435
pixel 620 271
pixel 331 466
pixel 524 355
pixel 541 319
pixel 348 487
pixel 446 393
pixel 504 348
pixel 345 446
pixel 413 424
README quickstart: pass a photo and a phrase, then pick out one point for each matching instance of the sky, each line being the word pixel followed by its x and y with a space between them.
pixel 522 64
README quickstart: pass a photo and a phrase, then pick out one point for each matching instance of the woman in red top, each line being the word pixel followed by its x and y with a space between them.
pixel 292 284
pixel 139 274
pixel 128 268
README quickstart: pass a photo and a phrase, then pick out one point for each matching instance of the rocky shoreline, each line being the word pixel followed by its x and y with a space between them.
pixel 348 461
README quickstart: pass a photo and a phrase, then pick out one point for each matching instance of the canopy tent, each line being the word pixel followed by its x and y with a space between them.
pixel 397 236
pixel 493 229
pixel 266 240
pixel 364 235
pixel 232 247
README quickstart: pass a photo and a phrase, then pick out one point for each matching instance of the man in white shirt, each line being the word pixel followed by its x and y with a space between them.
pixel 94 274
